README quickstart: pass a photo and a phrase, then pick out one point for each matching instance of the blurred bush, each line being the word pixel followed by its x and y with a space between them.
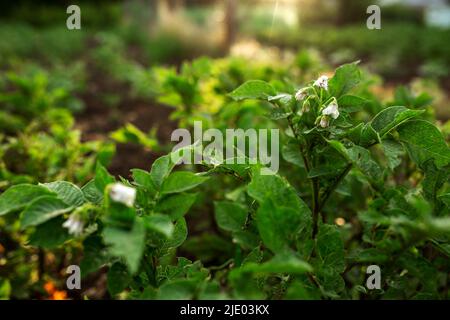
pixel 399 12
pixel 52 44
pixel 393 51
pixel 47 12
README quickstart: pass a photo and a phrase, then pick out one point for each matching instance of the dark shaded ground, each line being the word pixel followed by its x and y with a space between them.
pixel 99 119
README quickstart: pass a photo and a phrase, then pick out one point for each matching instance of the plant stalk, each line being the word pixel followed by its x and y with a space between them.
pixel 335 184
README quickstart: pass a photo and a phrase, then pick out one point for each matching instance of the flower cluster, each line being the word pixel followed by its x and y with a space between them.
pixel 331 111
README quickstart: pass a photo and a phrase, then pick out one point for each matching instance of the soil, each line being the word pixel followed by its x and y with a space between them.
pixel 99 119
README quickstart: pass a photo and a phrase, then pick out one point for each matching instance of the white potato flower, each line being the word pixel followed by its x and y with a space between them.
pixel 322 82
pixel 122 194
pixel 301 94
pixel 74 224
pixel 331 110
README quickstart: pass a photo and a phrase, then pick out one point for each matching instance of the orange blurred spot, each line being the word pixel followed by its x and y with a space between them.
pixel 59 295
pixel 2 248
pixel 49 287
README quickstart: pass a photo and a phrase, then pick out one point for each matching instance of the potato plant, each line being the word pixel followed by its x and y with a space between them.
pixel 354 189
pixel 38 141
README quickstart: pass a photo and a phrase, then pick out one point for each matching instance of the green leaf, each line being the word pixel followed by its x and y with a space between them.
pixel 92 193
pixel 278 114
pixel 404 96
pixel 434 180
pixel 363 135
pixel 164 165
pixel 50 234
pixel 274 187
pixel 118 278
pixel 351 103
pixel 325 170
pixel 330 247
pixel 420 268
pixel 179 289
pixel 17 197
pixel 247 239
pixel 178 237
pixel 365 162
pixel 212 290
pixel 177 205
pixel 131 134
pixel 118 213
pixel 278 225
pixel 144 179
pixel 393 151
pixel 281 263
pixel 424 141
pixel 102 177
pixel 207 246
pixel 42 210
pixel 161 169
pixel 439 226
pixel 282 214
pixel 239 165
pixel 345 78
pixel 159 223
pixel 370 255
pixel 254 89
pixel 330 281
pixel 5 289
pixel 67 192
pixel 339 147
pixel 245 287
pixel 445 198
pixel 230 216
pixel 291 154
pixel 361 157
pixel 283 99
pixel 181 181
pixel 95 254
pixel 299 291
pixel 389 118
pixel 127 244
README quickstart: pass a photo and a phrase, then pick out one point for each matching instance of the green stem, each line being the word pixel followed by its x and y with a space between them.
pixel 150 269
pixel 329 191
pixel 223 265
pixel 315 207
pixel 313 181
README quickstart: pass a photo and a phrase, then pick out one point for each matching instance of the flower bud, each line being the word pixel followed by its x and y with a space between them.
pixel 301 94
pixel 324 122
pixel 306 107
